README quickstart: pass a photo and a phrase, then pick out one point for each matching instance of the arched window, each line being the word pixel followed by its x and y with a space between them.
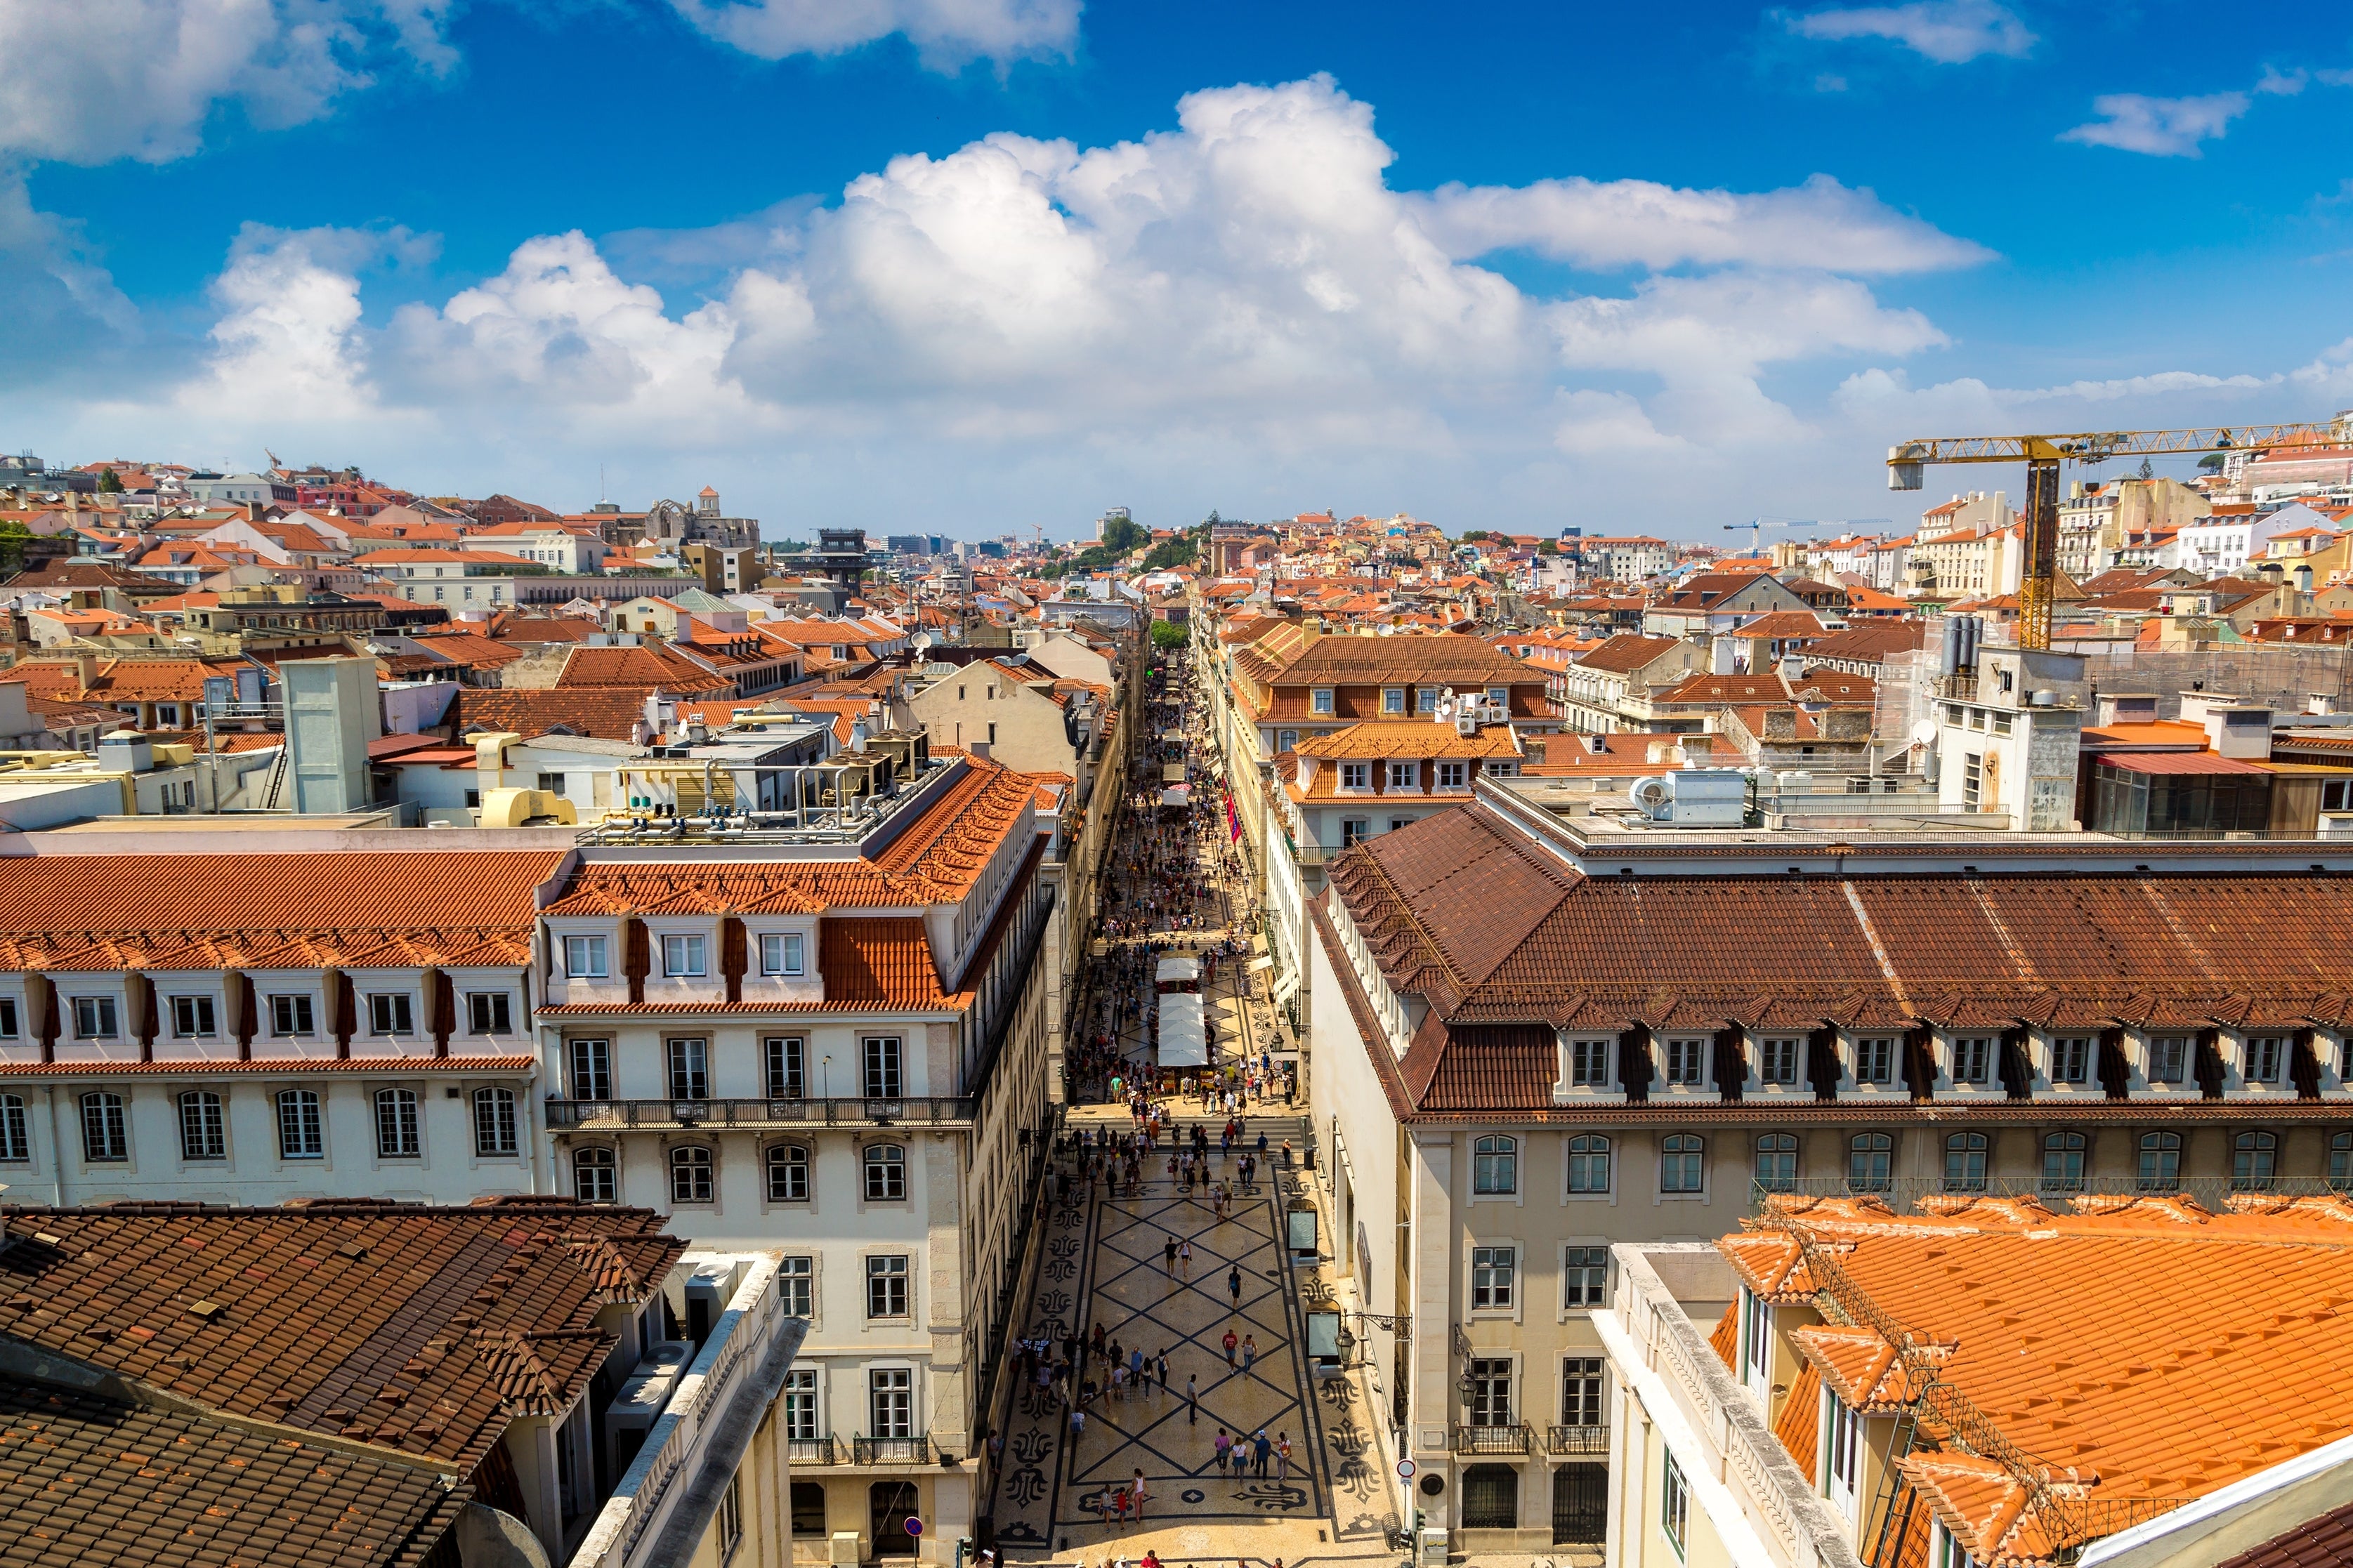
pixel 2062 1161
pixel 595 1178
pixel 203 1130
pixel 1495 1164
pixel 1589 1164
pixel 789 1174
pixel 302 1130
pixel 494 1121
pixel 690 1174
pixel 1777 1161
pixel 886 1173
pixel 1683 1162
pixel 2160 1162
pixel 1870 1162
pixel 2340 1159
pixel 397 1136
pixel 1965 1163
pixel 104 1135
pixel 2254 1162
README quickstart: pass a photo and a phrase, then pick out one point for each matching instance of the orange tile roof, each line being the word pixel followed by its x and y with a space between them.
pixel 885 961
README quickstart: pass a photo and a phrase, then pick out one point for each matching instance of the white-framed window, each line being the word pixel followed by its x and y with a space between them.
pixel 1777 1161
pixel 203 1126
pixel 1356 776
pixel 193 1018
pixel 494 1121
pixel 789 1173
pixel 584 958
pixel 1591 1061
pixel 290 1016
pixel 685 957
pixel 1580 1391
pixel 592 1068
pixel 1841 1452
pixel 800 1404
pixel 1392 698
pixel 2340 1157
pixel 1973 1060
pixel 1320 700
pixel 1494 1270
pixel 1589 1164
pixel 886 1286
pixel 1683 1162
pixel 1683 1060
pixel 94 1017
pixel 15 1130
pixel 1453 775
pixel 690 1069
pixel 2169 1058
pixel 302 1130
pixel 1755 1339
pixel 2266 1057
pixel 731 1517
pixel 2072 1057
pixel 397 1128
pixel 788 1067
pixel 1949 1552
pixel 2254 1162
pixel 1870 1162
pixel 595 1178
pixel 1354 830
pixel 489 1013
pixel 1495 1165
pixel 883 1078
pixel 1425 700
pixel 886 1173
pixel 1674 1506
pixel 1491 1391
pixel 1778 1057
pixel 389 1013
pixel 1965 1163
pixel 691 1178
pixel 105 1133
pixel 1286 741
pixel 780 953
pixel 891 1400
pixel 796 1286
pixel 1584 1275
pixel 2062 1161
pixel 1875 1058
pixel 1405 776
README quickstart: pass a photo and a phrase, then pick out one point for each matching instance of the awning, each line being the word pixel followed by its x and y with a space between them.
pixel 1260 965
pixel 1184 1039
pixel 1177 798
pixel 1180 967
pixel 1286 986
pixel 1172 773
pixel 2178 762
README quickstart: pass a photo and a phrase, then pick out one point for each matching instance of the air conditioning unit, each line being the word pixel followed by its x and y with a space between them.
pixel 1467 725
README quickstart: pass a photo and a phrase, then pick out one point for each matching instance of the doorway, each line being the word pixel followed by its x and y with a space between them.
pixel 1580 1494
pixel 894 1503
pixel 1491 1497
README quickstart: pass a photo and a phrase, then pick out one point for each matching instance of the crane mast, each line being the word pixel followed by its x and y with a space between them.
pixel 1907 463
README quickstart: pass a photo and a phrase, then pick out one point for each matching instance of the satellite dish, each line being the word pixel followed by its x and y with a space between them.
pixel 1923 733
pixel 920 642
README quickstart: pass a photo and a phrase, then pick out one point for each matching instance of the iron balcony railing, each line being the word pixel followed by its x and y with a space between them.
pixel 835 1112
pixel 1513 1438
pixel 1578 1439
pixel 1904 1193
pixel 916 1450
pixel 813 1450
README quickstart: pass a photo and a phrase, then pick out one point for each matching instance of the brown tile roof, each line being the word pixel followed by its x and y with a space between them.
pixel 1625 654
pixel 606 714
pixel 248 910
pixel 2326 1541
pixel 96 1481
pixel 425 1330
pixel 885 960
pixel 641 667
pixel 1397 660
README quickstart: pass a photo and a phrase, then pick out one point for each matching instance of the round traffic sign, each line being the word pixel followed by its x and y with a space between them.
pixel 1405 1469
pixel 914 1526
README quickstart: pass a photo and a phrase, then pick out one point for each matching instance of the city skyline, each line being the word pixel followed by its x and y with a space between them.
pixel 968 267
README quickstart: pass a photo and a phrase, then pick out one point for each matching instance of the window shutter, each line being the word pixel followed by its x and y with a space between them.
pixel 2208 1066
pixel 1822 1063
pixel 1731 1063
pixel 143 999
pixel 42 994
pixel 1634 1065
pixel 732 956
pixel 2116 1073
pixel 249 1010
pixel 2303 1065
pixel 347 1006
pixel 635 957
pixel 441 1000
pixel 1919 1060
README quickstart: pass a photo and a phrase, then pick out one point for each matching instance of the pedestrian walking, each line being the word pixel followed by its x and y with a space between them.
pixel 1234 1286
pixel 1185 1259
pixel 1250 1351
pixel 1192 1402
pixel 1136 1491
pixel 1160 1370
pixel 1282 1458
pixel 1077 1425
pixel 1230 1343
pixel 1261 1450
pixel 1225 1446
pixel 1168 1247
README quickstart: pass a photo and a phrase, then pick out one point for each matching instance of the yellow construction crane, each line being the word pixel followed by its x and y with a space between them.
pixel 1908 465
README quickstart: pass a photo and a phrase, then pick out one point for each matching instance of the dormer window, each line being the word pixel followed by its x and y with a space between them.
pixel 290 1017
pixel 683 957
pixel 390 1014
pixel 1402 775
pixel 94 1018
pixel 1320 700
pixel 2169 1058
pixel 2264 1059
pixel 1453 775
pixel 1682 1061
pixel 1589 1062
pixel 1356 776
pixel 1875 1060
pixel 780 954
pixel 1780 1061
pixel 2070 1058
pixel 1425 700
pixel 1393 699
pixel 1972 1058
pixel 584 958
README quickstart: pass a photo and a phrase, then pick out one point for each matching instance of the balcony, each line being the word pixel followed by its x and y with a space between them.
pixel 670 1115
pixel 822 1450
pixel 1578 1439
pixel 1514 1438
pixel 916 1450
pixel 1904 1193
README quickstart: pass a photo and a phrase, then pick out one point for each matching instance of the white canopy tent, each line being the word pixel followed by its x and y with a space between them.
pixel 1184 1032
pixel 1180 969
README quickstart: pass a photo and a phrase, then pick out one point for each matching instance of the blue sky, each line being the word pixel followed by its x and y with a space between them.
pixel 980 264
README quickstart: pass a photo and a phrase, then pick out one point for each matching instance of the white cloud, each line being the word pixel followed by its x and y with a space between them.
pixel 1969 405
pixel 1621 222
pixel 1946 31
pixel 94 80
pixel 2160 127
pixel 947 32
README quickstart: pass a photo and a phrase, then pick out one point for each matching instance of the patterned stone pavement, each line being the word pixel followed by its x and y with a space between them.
pixel 1106 1263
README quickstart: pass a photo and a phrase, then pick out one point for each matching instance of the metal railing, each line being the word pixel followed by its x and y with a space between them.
pixel 822 1450
pixel 1514 1438
pixel 1904 1193
pixel 833 1112
pixel 1578 1439
pixel 915 1451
